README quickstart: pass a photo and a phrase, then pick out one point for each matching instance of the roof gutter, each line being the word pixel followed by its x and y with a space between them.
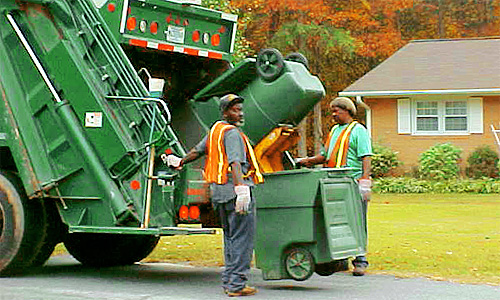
pixel 419 92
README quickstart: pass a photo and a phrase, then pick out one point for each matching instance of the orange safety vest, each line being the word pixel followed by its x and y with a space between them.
pixel 338 157
pixel 216 164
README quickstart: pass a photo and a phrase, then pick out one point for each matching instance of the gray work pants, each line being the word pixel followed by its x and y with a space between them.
pixel 361 260
pixel 239 231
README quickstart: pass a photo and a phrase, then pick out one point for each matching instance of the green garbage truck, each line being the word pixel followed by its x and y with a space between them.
pixel 95 92
pixel 80 138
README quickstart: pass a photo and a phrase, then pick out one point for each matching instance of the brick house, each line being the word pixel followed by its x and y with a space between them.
pixel 433 91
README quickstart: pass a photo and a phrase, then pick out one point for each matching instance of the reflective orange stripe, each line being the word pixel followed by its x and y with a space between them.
pixel 216 164
pixel 338 157
pixel 254 170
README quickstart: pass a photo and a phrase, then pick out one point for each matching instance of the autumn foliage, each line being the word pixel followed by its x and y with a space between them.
pixel 344 39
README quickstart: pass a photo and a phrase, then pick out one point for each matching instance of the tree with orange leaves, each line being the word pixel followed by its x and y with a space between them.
pixel 344 39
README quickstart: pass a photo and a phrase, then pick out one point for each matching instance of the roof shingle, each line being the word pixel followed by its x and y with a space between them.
pixel 427 65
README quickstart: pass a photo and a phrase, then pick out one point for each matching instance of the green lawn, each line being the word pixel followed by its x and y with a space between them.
pixel 441 236
pixel 452 237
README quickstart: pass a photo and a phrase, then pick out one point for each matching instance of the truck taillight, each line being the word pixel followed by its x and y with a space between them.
pixel 194 212
pixel 216 40
pixel 131 23
pixel 153 27
pixel 184 212
pixel 189 213
pixel 196 36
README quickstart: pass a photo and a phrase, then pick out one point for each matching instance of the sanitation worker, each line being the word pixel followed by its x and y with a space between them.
pixel 348 145
pixel 231 169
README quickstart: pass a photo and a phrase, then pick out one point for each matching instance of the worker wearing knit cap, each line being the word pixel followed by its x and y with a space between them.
pixel 347 145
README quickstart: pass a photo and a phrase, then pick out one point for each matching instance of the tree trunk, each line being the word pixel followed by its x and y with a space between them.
pixel 318 133
pixel 302 144
pixel 441 28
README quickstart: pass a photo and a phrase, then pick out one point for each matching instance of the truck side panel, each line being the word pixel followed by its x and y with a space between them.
pixel 83 141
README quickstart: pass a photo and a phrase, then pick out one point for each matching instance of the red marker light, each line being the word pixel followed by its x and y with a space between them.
pixel 135 185
pixel 216 40
pixel 177 21
pixel 153 27
pixel 186 22
pixel 131 23
pixel 196 36
pixel 111 7
pixel 222 29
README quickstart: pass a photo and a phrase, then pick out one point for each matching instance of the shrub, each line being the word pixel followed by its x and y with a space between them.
pixel 440 162
pixel 383 161
pixel 482 162
pixel 403 185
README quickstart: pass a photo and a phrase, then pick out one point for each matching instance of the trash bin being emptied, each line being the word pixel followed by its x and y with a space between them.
pixel 308 220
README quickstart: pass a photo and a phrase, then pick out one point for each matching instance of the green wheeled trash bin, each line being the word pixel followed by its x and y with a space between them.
pixel 308 220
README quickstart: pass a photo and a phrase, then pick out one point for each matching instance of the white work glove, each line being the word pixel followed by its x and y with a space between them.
pixel 365 189
pixel 171 160
pixel 243 199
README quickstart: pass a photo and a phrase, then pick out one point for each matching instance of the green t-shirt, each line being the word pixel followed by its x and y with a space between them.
pixel 359 146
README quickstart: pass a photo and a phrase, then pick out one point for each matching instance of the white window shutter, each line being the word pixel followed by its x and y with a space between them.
pixel 476 115
pixel 404 116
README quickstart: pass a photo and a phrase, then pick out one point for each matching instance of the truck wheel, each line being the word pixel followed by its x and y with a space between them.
pixel 299 263
pixel 298 57
pixel 23 226
pixel 55 232
pixel 270 64
pixel 327 269
pixel 106 250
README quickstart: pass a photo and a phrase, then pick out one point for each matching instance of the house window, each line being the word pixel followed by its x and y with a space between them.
pixel 436 116
pixel 427 116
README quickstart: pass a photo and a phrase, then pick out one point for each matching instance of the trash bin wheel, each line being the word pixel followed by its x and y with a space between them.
pixel 270 64
pixel 298 57
pixel 299 263
pixel 327 269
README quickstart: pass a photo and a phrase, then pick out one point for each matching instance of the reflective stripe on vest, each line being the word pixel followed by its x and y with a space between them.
pixel 254 165
pixel 216 164
pixel 338 157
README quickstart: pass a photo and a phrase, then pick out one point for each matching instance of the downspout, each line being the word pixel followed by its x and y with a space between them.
pixel 368 111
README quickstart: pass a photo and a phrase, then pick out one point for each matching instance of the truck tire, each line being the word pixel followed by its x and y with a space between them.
pixel 270 64
pixel 55 232
pixel 22 226
pixel 107 250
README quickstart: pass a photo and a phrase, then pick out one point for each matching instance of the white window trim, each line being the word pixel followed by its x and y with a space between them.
pixel 407 119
